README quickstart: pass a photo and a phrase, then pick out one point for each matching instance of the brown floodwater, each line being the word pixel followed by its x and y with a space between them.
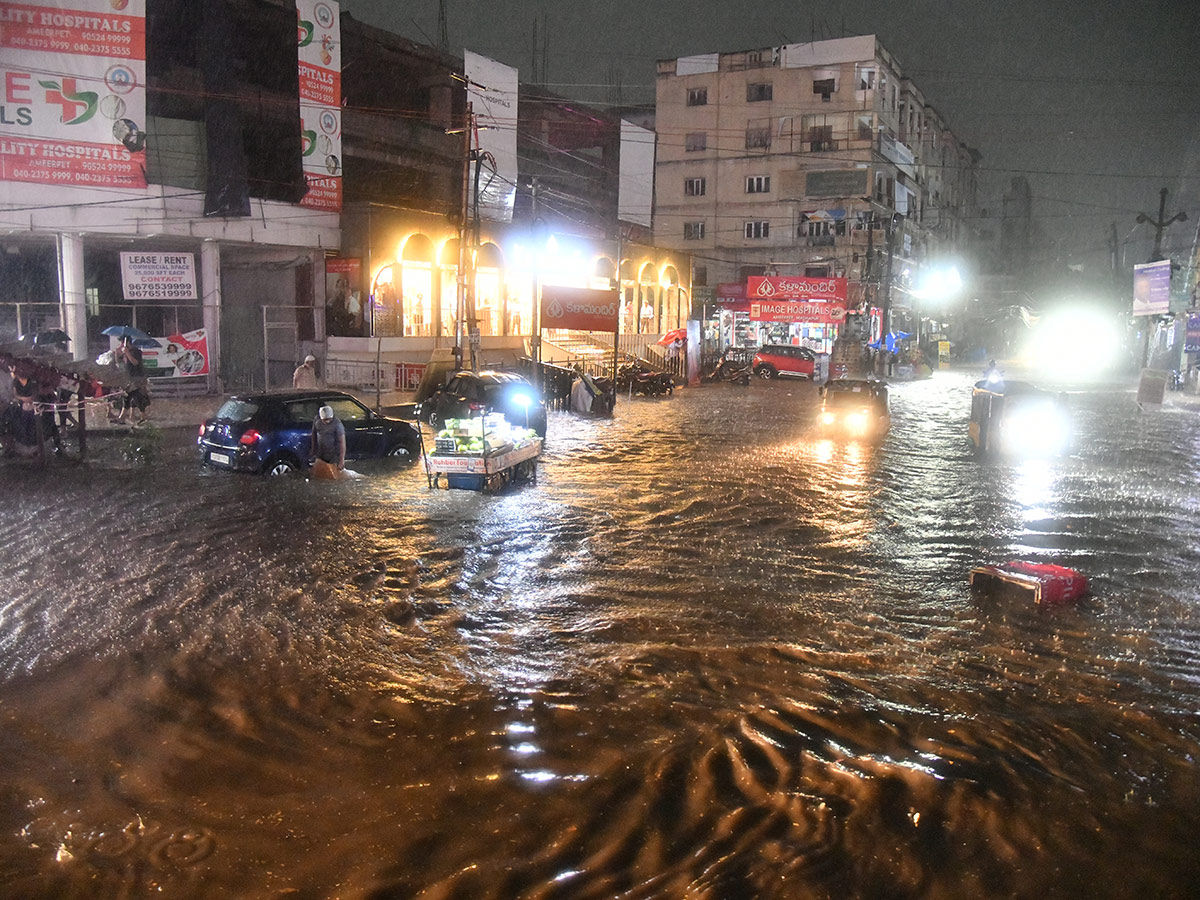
pixel 707 655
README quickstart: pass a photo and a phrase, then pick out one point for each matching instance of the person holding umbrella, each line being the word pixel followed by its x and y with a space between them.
pixel 137 391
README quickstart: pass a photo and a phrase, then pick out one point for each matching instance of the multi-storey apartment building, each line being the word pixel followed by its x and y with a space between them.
pixel 804 160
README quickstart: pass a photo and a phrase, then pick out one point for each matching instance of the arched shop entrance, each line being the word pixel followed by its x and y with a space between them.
pixel 648 302
pixel 489 290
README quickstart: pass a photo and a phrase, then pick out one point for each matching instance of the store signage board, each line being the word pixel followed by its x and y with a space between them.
pixel 159 276
pixel 794 311
pixel 795 288
pixel 1152 288
pixel 847 183
pixel 579 309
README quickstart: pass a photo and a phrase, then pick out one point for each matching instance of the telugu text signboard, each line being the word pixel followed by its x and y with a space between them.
pixel 159 276
pixel 73 92
pixel 789 287
pixel 579 309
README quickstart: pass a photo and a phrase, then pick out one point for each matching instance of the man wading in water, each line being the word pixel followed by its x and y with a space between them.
pixel 328 445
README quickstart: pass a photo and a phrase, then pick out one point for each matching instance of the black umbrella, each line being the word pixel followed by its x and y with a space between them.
pixel 53 336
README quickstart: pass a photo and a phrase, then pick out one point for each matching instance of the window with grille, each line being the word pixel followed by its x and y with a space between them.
pixel 697 96
pixel 758 184
pixel 756 230
pixel 693 231
pixel 693 187
pixel 759 92
pixel 696 140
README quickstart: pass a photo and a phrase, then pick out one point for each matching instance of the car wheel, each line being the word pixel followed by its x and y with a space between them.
pixel 402 451
pixel 766 373
pixel 282 465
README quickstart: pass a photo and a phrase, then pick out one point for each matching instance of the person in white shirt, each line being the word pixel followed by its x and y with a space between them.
pixel 305 375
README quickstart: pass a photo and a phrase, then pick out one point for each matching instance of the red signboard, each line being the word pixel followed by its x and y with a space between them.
pixel 73 92
pixel 579 309
pixel 793 311
pixel 788 287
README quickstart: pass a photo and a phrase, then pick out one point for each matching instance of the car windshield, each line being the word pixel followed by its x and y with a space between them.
pixel 237 410
pixel 845 399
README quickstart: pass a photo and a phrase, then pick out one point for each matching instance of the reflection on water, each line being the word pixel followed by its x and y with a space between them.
pixel 708 654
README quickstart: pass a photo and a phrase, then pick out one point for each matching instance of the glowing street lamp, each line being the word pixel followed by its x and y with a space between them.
pixel 940 284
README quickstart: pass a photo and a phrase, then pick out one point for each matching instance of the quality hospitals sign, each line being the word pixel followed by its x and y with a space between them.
pixel 319 62
pixel 73 92
pixel 579 309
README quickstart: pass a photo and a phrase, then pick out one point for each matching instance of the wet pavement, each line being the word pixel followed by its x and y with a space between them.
pixel 707 655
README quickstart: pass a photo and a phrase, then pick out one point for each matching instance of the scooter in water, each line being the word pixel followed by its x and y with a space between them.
pixel 728 370
pixel 638 378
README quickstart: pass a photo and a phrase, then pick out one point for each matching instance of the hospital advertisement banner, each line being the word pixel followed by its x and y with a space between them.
pixel 791 311
pixel 177 356
pixel 73 92
pixel 579 309
pixel 1152 288
pixel 795 288
pixel 319 62
pixel 492 93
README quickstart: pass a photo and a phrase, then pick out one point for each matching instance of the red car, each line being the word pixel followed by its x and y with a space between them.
pixel 772 361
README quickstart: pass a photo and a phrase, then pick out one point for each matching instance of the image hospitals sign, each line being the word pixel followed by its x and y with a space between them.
pixel 790 299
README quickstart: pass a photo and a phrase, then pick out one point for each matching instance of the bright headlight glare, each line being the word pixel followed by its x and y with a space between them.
pixel 1039 428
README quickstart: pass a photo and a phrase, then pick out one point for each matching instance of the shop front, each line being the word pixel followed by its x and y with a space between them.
pixel 798 312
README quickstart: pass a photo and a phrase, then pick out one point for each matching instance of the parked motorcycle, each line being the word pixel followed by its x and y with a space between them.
pixel 727 369
pixel 638 378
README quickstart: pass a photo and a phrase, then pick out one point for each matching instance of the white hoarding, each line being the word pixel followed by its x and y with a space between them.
pixel 159 276
pixel 492 93
pixel 635 198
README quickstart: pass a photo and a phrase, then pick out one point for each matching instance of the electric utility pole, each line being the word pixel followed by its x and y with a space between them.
pixel 1161 224
pixel 885 326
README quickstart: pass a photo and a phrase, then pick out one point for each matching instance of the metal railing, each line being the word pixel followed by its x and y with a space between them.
pixel 369 375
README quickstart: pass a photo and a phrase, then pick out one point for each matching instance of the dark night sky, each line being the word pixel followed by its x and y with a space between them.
pixel 1097 104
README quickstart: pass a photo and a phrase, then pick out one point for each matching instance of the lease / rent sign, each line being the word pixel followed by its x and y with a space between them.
pixel 159 276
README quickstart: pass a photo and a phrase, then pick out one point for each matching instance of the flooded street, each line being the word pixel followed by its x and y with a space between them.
pixel 707 655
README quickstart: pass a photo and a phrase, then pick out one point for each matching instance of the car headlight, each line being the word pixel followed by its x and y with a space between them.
pixel 857 422
pixel 1036 428
pixel 828 418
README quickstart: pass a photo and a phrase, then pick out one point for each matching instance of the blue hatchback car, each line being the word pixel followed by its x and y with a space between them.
pixel 269 433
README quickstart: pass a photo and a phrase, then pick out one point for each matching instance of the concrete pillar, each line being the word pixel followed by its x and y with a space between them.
pixel 71 295
pixel 210 299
